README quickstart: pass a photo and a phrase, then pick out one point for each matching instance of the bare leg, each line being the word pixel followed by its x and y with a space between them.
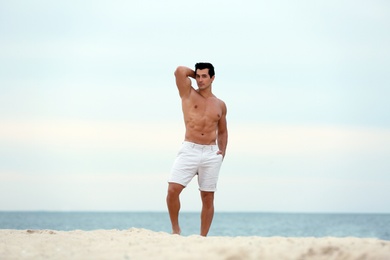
pixel 207 214
pixel 173 203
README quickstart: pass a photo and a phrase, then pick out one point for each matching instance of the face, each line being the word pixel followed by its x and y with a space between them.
pixel 203 78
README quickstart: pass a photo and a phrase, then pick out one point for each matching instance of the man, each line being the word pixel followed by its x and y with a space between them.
pixel 204 145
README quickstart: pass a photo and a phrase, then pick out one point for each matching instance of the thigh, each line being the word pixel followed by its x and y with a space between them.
pixel 185 166
pixel 209 172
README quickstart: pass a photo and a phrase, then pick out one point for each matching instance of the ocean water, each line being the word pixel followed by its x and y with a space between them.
pixel 224 223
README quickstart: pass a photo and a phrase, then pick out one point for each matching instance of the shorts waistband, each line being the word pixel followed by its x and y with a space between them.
pixel 212 147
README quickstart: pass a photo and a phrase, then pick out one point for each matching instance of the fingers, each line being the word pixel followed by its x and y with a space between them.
pixel 220 152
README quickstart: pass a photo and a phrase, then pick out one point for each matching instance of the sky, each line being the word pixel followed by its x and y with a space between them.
pixel 90 117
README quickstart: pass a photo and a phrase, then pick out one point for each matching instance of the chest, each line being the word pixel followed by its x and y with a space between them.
pixel 203 107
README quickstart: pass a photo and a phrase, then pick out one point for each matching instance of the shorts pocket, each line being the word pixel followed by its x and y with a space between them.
pixel 182 149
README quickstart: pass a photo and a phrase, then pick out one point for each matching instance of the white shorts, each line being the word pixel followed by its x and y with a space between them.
pixel 195 159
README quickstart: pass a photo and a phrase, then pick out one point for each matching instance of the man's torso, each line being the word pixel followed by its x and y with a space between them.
pixel 201 117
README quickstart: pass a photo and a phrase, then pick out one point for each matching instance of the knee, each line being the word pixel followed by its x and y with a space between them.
pixel 174 190
pixel 208 199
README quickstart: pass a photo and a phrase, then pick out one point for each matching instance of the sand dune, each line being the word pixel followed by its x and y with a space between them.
pixel 145 244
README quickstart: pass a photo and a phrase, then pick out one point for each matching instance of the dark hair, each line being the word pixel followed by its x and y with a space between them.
pixel 205 65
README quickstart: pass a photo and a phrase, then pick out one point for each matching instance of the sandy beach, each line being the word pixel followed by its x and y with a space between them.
pixel 137 243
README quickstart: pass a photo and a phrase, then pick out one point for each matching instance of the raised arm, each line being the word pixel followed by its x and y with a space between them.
pixel 183 82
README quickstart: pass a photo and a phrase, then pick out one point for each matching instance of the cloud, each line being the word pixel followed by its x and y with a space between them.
pixel 261 139
pixel 82 192
pixel 89 91
pixel 305 164
pixel 307 140
pixel 78 134
pixel 294 194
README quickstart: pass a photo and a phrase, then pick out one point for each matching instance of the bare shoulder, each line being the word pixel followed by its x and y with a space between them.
pixel 223 105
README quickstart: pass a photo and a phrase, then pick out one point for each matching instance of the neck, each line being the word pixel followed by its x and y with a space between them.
pixel 205 92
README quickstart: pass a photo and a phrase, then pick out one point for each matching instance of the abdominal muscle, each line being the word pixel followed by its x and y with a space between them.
pixel 199 134
pixel 201 117
pixel 201 120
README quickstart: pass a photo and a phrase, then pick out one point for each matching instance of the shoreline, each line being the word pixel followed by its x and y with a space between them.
pixel 137 243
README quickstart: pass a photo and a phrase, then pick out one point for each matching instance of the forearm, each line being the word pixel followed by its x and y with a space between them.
pixel 222 141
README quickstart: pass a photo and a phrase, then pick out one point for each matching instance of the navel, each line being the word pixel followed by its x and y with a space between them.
pixel 196 106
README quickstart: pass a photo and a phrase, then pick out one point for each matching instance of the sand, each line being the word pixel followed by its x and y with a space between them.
pixel 143 244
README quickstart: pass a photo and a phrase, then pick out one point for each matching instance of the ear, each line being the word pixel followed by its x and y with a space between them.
pixel 212 78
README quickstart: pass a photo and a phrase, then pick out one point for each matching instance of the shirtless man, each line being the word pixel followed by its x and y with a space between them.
pixel 204 145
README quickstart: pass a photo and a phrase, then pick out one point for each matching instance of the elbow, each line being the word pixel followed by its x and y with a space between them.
pixel 179 70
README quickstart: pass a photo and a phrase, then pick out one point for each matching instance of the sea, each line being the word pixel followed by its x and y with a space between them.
pixel 224 223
